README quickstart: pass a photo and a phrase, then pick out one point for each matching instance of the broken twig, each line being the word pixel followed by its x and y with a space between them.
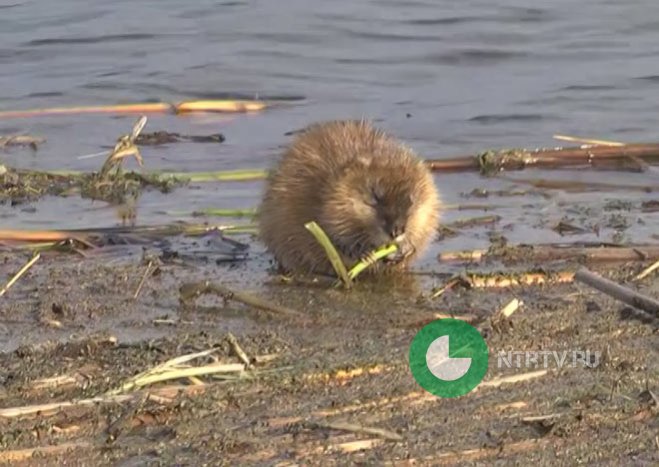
pixel 144 276
pixel 238 350
pixel 18 275
pixel 647 271
pixel 510 308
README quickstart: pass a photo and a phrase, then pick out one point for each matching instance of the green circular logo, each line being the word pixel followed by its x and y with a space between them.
pixel 448 357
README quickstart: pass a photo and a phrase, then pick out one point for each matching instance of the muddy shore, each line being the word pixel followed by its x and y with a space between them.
pixel 74 331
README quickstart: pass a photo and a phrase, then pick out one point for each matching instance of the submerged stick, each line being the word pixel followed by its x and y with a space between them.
pixel 192 290
pixel 18 275
pixel 617 291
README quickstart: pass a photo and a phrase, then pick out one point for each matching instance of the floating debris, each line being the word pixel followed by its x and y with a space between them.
pixel 222 106
pixel 21 140
pixel 164 137
pixel 492 162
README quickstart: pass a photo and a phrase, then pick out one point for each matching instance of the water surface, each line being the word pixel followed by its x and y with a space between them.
pixel 447 77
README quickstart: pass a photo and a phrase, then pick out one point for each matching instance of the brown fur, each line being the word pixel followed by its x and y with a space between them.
pixel 360 185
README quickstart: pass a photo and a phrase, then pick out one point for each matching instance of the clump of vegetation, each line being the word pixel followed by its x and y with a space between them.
pixel 20 186
pixel 111 183
pixel 493 162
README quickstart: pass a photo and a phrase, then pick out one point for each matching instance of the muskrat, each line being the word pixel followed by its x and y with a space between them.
pixel 363 187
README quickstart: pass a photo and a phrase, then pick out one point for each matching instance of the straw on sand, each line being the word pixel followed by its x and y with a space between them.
pixel 176 368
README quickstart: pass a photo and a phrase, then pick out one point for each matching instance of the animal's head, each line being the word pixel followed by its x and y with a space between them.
pixel 379 201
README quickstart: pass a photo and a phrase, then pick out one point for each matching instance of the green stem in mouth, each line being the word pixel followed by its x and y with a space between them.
pixel 371 258
pixel 333 255
pixel 330 251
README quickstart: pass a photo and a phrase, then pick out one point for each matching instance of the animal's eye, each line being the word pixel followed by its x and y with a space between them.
pixel 374 198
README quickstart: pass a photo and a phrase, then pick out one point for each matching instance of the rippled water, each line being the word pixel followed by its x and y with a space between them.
pixel 447 77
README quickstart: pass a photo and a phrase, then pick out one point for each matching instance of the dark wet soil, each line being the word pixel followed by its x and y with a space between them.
pixel 342 360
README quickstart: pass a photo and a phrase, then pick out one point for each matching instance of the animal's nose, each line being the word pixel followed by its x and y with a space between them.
pixel 397 229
